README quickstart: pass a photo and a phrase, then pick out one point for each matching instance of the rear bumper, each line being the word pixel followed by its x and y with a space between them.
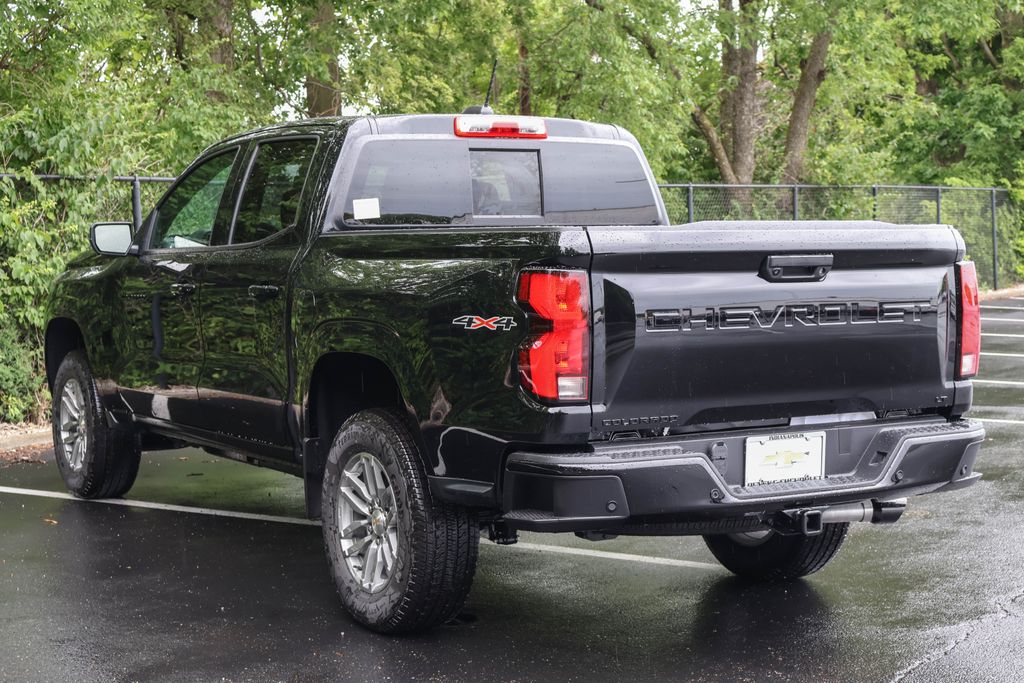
pixel 698 480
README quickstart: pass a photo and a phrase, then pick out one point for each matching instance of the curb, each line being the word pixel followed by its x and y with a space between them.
pixel 993 294
pixel 36 438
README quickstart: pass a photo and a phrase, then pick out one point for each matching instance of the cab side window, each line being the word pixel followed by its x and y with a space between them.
pixel 187 216
pixel 270 199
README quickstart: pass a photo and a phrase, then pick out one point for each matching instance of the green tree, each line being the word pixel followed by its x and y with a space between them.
pixel 873 91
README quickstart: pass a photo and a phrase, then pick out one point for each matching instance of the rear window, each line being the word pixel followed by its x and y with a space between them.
pixel 505 182
pixel 455 182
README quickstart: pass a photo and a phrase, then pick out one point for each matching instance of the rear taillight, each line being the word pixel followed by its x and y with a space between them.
pixel 490 126
pixel 969 317
pixel 554 361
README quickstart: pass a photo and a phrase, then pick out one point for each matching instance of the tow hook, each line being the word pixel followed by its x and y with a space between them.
pixel 811 521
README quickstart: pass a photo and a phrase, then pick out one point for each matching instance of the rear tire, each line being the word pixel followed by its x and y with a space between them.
pixel 94 460
pixel 777 557
pixel 402 562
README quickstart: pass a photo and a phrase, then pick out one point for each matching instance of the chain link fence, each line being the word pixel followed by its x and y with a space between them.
pixel 986 217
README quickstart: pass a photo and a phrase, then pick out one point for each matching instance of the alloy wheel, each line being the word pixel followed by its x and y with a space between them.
pixel 368 522
pixel 74 438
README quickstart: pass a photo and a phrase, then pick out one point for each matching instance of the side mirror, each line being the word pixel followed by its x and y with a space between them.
pixel 112 239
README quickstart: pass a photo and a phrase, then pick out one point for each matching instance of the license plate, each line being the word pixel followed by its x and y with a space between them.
pixel 784 457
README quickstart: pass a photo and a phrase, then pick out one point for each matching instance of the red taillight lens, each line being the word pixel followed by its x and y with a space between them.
pixel 969 316
pixel 490 126
pixel 554 362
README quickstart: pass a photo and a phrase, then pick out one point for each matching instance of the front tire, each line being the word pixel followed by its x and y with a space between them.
pixel 94 460
pixel 402 562
pixel 770 556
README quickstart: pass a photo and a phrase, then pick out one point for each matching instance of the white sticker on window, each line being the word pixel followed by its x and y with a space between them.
pixel 365 209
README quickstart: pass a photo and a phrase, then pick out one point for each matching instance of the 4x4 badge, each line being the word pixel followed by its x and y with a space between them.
pixel 476 322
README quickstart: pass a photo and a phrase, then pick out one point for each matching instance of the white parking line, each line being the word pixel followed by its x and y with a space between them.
pixel 1002 355
pixel 158 506
pixel 998 421
pixel 999 382
pixel 1015 321
pixel 1002 334
pixel 582 552
pixel 1001 308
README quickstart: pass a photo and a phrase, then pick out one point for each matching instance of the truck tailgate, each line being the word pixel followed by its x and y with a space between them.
pixel 715 324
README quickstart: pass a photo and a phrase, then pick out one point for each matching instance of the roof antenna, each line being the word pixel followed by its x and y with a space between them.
pixel 485 108
pixel 490 87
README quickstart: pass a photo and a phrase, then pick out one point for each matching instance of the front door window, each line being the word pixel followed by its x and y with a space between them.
pixel 187 216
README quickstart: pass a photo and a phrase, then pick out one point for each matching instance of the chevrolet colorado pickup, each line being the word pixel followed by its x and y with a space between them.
pixel 455 324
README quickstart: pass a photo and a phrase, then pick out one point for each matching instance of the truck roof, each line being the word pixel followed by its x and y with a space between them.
pixel 440 124
pixel 428 124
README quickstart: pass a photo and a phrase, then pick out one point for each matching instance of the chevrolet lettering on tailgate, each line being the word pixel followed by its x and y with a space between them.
pixel 788 315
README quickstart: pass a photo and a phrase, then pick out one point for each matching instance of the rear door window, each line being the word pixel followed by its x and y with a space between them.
pixel 407 182
pixel 270 198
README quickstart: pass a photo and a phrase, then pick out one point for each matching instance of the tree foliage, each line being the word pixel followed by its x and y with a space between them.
pixel 826 91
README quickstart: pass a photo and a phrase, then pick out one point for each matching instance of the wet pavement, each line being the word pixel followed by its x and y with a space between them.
pixel 144 591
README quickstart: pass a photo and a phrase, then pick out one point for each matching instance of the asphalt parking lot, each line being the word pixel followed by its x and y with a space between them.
pixel 208 572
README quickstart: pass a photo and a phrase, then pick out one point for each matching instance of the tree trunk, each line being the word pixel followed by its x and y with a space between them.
pixel 323 98
pixel 718 151
pixel 521 24
pixel 525 90
pixel 220 30
pixel 948 49
pixel 812 73
pixel 215 30
pixel 726 112
pixel 178 34
pixel 987 51
pixel 744 98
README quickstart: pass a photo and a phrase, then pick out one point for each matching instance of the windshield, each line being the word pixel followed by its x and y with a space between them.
pixel 456 182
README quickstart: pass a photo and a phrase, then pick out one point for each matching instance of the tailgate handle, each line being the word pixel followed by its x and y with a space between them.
pixel 797 268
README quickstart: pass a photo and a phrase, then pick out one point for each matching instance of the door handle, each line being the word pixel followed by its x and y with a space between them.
pixel 183 288
pixel 263 292
pixel 796 268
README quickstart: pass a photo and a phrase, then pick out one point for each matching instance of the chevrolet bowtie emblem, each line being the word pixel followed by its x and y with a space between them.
pixel 786 458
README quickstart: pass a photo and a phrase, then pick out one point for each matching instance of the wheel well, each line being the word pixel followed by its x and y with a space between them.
pixel 62 336
pixel 341 385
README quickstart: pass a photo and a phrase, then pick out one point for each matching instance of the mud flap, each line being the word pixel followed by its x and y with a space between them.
pixel 312 475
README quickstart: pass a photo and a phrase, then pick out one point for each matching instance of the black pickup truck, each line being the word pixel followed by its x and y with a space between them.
pixel 448 324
